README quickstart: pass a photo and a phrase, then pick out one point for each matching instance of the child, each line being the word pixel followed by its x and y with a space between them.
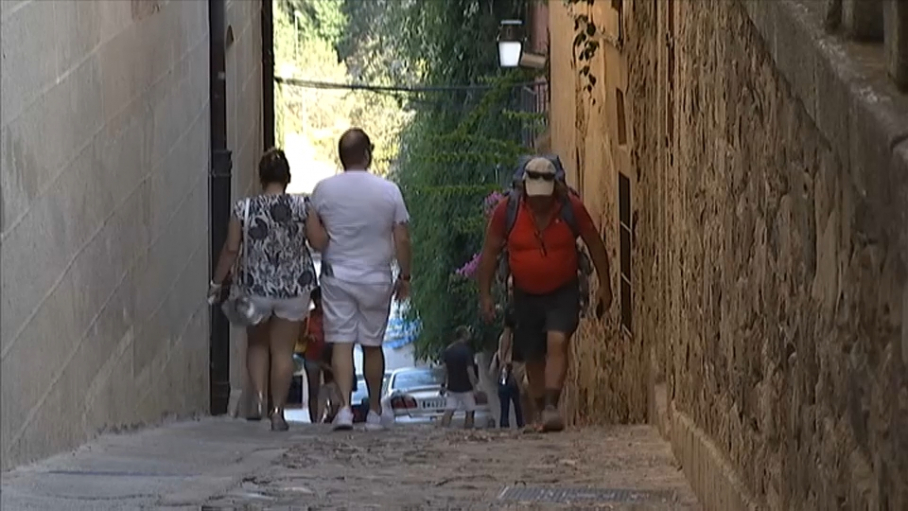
pixel 330 400
pixel 312 340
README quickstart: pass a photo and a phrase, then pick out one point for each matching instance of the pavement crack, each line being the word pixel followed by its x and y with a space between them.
pixel 108 498
pixel 460 478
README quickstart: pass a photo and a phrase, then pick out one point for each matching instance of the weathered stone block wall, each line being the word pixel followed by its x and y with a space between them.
pixel 104 246
pixel 785 244
pixel 608 361
pixel 770 194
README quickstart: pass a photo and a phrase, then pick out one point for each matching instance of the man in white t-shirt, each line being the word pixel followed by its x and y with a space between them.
pixel 367 225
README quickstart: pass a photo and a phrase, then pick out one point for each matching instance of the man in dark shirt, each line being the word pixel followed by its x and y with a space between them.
pixel 461 376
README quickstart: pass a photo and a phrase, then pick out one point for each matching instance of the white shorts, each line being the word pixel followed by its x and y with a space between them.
pixel 291 309
pixel 355 312
pixel 465 401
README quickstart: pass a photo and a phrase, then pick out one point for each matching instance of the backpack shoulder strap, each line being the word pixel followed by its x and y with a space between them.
pixel 511 212
pixel 569 216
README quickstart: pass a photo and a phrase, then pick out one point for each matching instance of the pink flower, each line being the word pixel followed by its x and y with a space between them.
pixel 468 270
pixel 491 201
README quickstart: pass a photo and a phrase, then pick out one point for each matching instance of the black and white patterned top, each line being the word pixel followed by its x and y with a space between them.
pixel 277 261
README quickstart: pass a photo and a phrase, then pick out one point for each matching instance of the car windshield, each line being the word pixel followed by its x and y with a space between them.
pixel 420 378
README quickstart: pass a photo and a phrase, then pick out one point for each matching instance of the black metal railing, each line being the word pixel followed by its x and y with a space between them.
pixel 534 99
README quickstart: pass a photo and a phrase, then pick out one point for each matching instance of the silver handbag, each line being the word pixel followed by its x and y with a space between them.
pixel 238 308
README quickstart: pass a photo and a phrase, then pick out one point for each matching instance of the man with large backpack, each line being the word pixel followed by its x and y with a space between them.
pixel 538 225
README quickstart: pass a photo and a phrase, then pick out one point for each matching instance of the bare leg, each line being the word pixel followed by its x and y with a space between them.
pixel 283 338
pixel 257 366
pixel 528 407
pixel 536 389
pixel 314 378
pixel 323 403
pixel 446 418
pixel 555 373
pixel 342 363
pixel 374 371
pixel 468 419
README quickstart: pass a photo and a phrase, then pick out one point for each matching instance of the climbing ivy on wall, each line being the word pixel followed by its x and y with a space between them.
pixel 460 145
pixel 585 43
pixel 450 163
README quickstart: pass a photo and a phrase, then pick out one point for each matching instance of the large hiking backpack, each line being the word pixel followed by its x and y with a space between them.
pixel 514 195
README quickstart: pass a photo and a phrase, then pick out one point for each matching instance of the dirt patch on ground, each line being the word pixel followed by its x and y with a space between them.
pixel 426 468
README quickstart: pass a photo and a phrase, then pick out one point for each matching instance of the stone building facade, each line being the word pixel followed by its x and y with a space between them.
pixel 750 172
pixel 104 135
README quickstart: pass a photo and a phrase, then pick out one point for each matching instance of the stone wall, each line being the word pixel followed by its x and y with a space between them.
pixel 609 359
pixel 244 137
pixel 104 244
pixel 770 247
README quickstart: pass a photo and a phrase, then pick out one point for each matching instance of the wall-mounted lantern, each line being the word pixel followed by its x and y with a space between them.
pixel 511 42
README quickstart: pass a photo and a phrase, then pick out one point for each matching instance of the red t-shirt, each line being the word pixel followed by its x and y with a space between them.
pixel 315 329
pixel 541 261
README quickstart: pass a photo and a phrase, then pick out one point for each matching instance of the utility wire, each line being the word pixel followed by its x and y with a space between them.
pixel 387 88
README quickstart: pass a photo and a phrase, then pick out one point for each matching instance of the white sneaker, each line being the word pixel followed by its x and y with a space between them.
pixel 387 413
pixel 387 417
pixel 343 421
pixel 374 422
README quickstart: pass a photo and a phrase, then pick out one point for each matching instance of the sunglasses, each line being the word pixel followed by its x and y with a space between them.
pixel 540 175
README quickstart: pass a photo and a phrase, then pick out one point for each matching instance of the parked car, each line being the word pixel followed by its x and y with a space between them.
pixel 359 400
pixel 415 395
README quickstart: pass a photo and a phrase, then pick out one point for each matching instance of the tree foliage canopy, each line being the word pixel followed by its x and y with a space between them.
pixel 308 35
pixel 459 146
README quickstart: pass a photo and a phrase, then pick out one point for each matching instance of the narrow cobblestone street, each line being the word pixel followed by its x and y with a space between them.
pixel 221 464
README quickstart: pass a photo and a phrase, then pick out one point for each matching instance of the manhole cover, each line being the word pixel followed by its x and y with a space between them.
pixel 589 495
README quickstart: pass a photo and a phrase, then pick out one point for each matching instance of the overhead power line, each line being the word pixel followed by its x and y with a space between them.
pixel 387 88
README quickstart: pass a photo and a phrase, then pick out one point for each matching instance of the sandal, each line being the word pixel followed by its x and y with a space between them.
pixel 278 422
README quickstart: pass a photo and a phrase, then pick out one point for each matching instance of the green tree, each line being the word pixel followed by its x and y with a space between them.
pixel 451 162
pixel 457 147
pixel 307 35
pixel 446 148
pixel 315 19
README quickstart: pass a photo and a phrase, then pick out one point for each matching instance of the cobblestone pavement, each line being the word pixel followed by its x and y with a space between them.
pixel 426 468
pixel 222 464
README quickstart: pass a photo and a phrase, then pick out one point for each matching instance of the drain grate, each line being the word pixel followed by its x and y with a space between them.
pixel 587 495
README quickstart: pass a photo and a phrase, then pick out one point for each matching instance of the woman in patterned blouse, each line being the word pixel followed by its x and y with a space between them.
pixel 277 274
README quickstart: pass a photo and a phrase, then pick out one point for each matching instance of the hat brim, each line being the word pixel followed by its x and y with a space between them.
pixel 537 187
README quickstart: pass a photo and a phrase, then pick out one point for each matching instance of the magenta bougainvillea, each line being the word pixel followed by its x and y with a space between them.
pixel 468 271
pixel 491 201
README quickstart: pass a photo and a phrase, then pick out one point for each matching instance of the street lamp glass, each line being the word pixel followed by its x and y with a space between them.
pixel 509 53
pixel 510 43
